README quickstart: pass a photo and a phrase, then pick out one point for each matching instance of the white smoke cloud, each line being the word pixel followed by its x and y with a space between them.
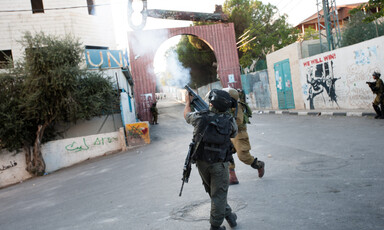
pixel 147 41
pixel 179 75
pixel 169 70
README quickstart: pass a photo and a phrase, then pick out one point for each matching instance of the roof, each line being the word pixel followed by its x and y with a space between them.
pixel 342 10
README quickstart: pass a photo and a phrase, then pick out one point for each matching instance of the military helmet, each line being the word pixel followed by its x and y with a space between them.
pixel 220 99
pixel 233 92
pixel 376 74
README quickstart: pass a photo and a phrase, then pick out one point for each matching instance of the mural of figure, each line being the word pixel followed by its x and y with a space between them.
pixel 321 79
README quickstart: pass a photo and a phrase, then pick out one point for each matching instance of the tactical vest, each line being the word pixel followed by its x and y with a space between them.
pixel 215 143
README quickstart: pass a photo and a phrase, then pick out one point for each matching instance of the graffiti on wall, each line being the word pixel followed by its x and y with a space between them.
pixel 349 68
pixel 84 145
pixel 138 133
pixel 256 87
pixel 5 167
pixel 146 103
pixel 365 62
pixel 320 80
pixel 365 56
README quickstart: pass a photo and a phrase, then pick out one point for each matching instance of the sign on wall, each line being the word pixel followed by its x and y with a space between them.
pixel 105 59
pixel 137 133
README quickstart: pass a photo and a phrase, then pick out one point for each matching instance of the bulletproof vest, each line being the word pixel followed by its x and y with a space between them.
pixel 215 143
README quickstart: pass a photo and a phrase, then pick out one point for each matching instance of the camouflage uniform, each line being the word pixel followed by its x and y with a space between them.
pixel 379 86
pixel 241 141
pixel 154 113
pixel 378 89
pixel 215 176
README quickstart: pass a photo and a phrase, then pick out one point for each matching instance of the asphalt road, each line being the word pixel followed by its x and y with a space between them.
pixel 322 172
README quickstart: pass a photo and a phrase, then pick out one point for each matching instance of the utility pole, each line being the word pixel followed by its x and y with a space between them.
pixel 328 24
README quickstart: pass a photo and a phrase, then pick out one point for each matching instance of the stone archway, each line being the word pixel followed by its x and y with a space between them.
pixel 143 46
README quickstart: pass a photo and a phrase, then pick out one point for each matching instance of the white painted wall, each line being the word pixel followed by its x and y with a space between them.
pixel 63 153
pixel 349 67
pixel 12 168
pixel 60 154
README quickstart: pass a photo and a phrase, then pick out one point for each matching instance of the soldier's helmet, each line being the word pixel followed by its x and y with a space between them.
pixel 233 92
pixel 376 74
pixel 221 100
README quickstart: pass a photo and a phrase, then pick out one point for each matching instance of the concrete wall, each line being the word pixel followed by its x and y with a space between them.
pixel 256 88
pixel 96 125
pixel 94 30
pixel 12 168
pixel 336 79
pixel 293 54
pixel 63 153
pixel 204 90
pixel 331 80
pixel 60 154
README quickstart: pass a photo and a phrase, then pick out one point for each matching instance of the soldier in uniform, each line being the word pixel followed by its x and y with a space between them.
pixel 378 89
pixel 154 113
pixel 212 132
pixel 241 141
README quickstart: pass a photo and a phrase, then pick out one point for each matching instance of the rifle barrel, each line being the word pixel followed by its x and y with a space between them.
pixel 181 189
pixel 197 102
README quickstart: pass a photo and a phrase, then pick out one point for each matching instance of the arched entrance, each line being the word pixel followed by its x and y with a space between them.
pixel 143 46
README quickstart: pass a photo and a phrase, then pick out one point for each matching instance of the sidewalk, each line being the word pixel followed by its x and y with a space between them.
pixel 321 112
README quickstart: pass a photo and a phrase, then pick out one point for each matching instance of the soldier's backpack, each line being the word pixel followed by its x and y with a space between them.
pixel 216 139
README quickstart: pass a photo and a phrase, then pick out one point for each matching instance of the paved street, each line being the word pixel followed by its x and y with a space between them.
pixel 322 172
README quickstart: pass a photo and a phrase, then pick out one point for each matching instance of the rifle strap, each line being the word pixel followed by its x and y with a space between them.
pixel 199 138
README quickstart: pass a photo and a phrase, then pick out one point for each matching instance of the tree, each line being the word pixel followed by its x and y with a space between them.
pixel 309 34
pixel 263 29
pixel 46 87
pixel 197 55
pixel 356 30
pixel 374 9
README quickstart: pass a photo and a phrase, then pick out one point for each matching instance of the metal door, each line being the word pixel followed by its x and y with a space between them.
pixel 284 85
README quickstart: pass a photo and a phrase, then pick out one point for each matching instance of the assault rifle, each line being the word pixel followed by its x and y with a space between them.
pixel 371 85
pixel 187 166
pixel 198 104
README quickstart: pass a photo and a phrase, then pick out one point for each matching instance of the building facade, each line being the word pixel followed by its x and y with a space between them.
pixel 89 20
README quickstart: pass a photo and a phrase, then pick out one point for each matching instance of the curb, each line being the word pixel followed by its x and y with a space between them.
pixel 316 113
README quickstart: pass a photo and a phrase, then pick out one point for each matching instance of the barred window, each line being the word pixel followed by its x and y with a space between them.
pixel 5 58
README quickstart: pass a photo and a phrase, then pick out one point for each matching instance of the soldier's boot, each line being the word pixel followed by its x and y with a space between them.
pixel 217 228
pixel 232 177
pixel 382 110
pixel 377 110
pixel 259 165
pixel 231 219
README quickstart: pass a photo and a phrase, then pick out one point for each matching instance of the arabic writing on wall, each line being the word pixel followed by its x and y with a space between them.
pixel 83 146
pixel 12 164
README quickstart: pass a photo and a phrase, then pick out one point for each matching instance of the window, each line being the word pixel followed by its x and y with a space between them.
pixel 96 47
pixel 5 58
pixel 91 7
pixel 37 6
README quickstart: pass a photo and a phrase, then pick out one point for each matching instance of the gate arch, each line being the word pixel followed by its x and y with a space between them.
pixel 143 46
